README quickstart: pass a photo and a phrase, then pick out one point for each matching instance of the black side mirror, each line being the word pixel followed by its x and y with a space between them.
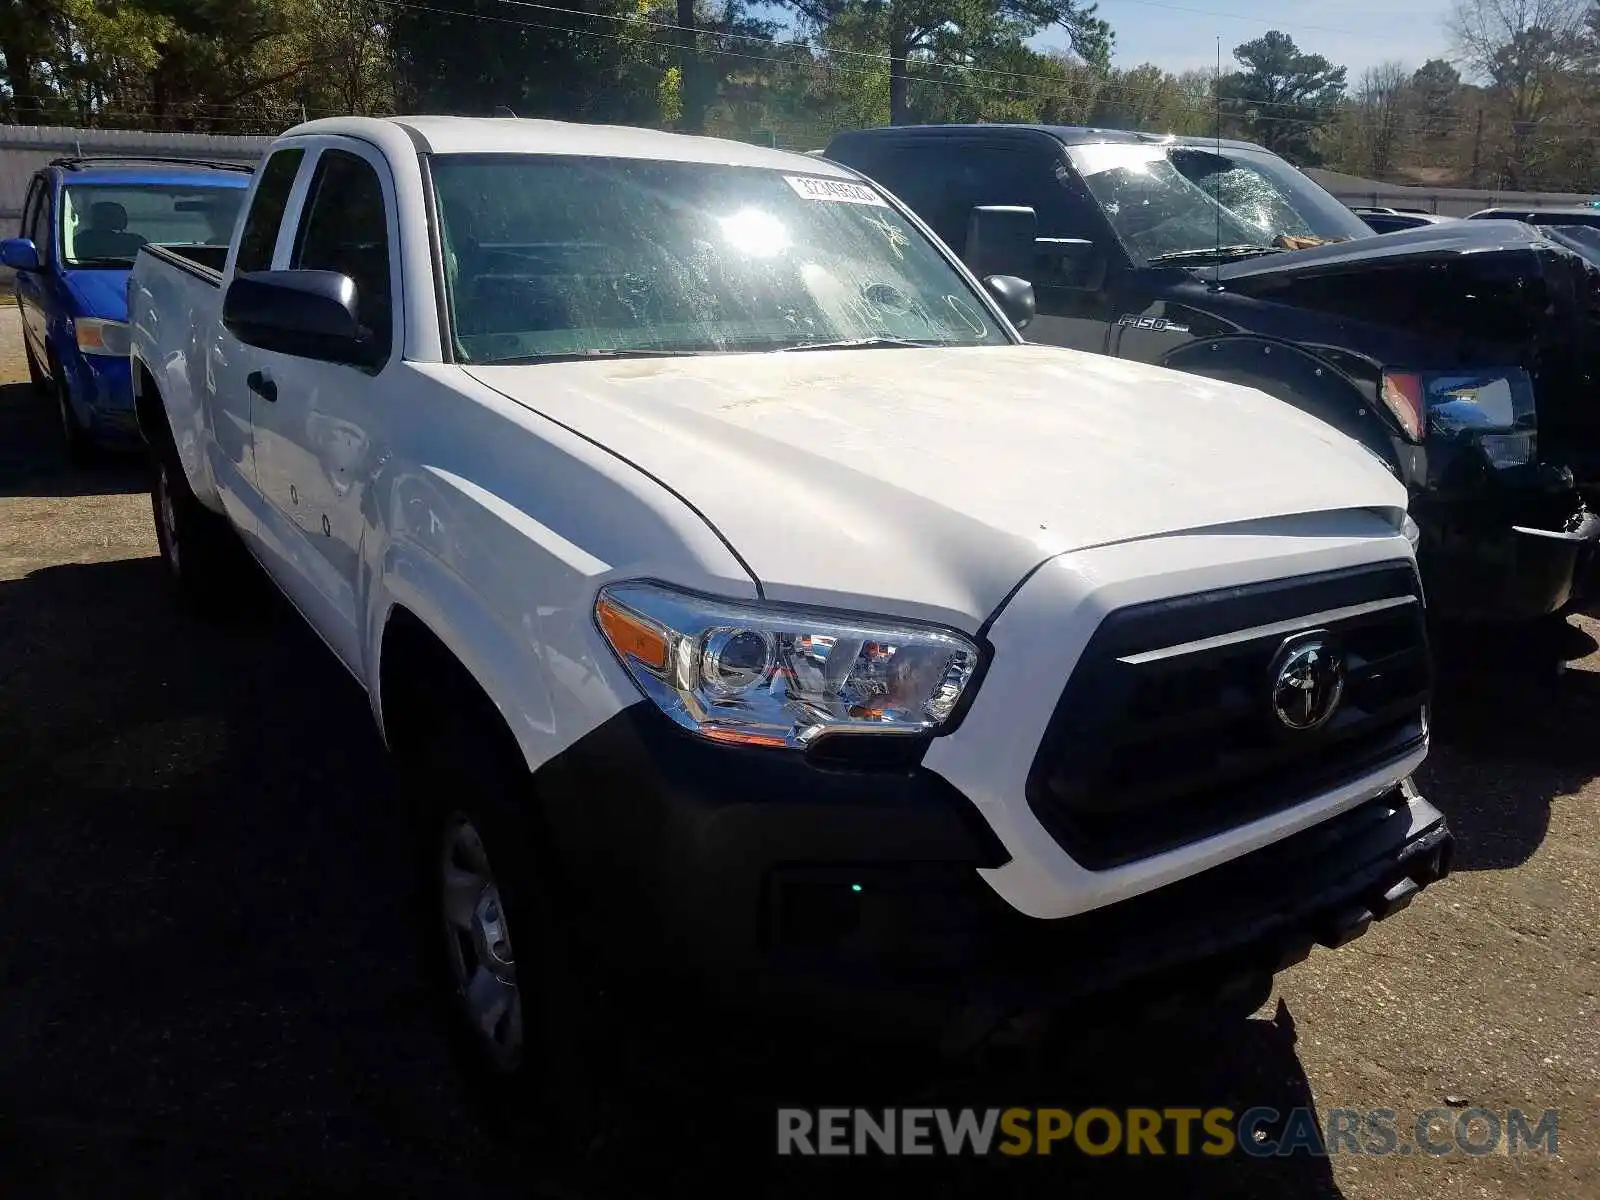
pixel 1000 240
pixel 20 254
pixel 309 314
pixel 1014 296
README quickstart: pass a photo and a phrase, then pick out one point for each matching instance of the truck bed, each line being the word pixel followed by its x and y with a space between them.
pixel 174 301
pixel 203 262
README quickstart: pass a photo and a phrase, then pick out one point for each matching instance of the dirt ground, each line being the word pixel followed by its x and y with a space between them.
pixel 203 983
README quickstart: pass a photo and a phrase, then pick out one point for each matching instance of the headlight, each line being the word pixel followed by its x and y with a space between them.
pixel 96 336
pixel 1413 534
pixel 762 675
pixel 1493 408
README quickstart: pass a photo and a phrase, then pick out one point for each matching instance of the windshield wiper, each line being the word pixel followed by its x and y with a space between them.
pixel 867 343
pixel 594 352
pixel 1220 252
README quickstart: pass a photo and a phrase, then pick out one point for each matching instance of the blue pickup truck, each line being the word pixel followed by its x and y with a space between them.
pixel 82 224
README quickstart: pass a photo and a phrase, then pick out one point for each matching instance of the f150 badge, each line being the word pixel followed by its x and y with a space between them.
pixel 1159 324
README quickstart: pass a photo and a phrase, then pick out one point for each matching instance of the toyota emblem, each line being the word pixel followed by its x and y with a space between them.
pixel 1307 682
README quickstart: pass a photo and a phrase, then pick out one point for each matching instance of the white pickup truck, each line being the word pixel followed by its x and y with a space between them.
pixel 758 616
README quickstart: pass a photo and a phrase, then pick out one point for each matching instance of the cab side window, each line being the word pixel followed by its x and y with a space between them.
pixel 945 179
pixel 29 208
pixel 260 232
pixel 345 228
pixel 36 218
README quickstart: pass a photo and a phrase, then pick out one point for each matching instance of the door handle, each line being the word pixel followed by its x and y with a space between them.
pixel 262 386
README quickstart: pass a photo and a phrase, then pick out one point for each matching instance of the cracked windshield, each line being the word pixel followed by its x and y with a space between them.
pixel 589 257
pixel 1174 203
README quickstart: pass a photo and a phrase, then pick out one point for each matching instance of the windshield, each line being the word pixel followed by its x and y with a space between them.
pixel 1581 239
pixel 1167 199
pixel 546 256
pixel 104 225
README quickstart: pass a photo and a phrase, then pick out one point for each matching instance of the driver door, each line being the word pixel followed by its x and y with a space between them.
pixel 316 424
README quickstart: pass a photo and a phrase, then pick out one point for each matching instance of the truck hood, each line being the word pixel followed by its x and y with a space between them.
pixel 936 479
pixel 101 292
pixel 1451 240
pixel 1468 294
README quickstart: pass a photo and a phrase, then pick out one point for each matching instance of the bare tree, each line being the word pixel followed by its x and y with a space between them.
pixel 1528 52
pixel 1383 100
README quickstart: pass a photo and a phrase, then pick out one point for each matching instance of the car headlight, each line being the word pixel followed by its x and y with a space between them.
pixel 1494 408
pixel 98 336
pixel 763 675
pixel 1413 534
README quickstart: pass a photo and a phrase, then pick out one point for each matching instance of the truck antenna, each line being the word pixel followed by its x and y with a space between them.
pixel 1216 95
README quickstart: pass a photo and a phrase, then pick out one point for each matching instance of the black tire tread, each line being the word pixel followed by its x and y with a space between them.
pixel 211 559
pixel 467 762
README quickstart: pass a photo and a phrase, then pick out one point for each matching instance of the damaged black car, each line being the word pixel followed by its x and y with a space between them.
pixel 1462 354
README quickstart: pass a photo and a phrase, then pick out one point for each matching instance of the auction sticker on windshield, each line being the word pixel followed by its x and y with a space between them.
pixel 842 190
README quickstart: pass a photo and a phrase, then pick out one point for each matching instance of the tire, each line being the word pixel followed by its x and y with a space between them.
pixel 36 376
pixel 498 958
pixel 198 547
pixel 80 446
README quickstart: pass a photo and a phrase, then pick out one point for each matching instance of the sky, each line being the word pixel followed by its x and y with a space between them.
pixel 1180 35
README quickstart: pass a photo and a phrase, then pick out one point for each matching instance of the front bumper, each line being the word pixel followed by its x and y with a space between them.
pixel 102 390
pixel 1515 553
pixel 777 886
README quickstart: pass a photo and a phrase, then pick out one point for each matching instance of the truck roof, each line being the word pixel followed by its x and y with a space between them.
pixel 520 135
pixel 1070 135
pixel 1561 210
pixel 147 171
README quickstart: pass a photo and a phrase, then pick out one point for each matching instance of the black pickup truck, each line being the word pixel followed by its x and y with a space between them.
pixel 1463 354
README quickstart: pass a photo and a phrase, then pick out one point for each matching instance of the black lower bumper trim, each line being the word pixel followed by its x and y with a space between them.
pixel 762 886
pixel 1516 558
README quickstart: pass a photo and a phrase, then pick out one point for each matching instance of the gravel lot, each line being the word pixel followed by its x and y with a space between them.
pixel 203 983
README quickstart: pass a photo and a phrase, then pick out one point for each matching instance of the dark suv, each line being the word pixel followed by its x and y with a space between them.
pixel 1464 354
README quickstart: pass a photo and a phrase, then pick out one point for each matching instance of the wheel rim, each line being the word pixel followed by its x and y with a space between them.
pixel 167 514
pixel 478 941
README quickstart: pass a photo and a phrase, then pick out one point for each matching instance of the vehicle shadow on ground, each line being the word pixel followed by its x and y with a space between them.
pixel 1513 732
pixel 33 457
pixel 205 980
pixel 726 1137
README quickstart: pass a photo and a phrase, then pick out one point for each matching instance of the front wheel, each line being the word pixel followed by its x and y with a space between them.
pixel 36 376
pixel 497 953
pixel 80 446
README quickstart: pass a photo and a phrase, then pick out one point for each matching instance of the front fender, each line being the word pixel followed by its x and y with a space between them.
pixel 502 658
pixel 1299 377
pixel 522 627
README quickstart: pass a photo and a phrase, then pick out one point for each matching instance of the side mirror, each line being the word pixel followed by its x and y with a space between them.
pixel 20 254
pixel 1014 296
pixel 309 314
